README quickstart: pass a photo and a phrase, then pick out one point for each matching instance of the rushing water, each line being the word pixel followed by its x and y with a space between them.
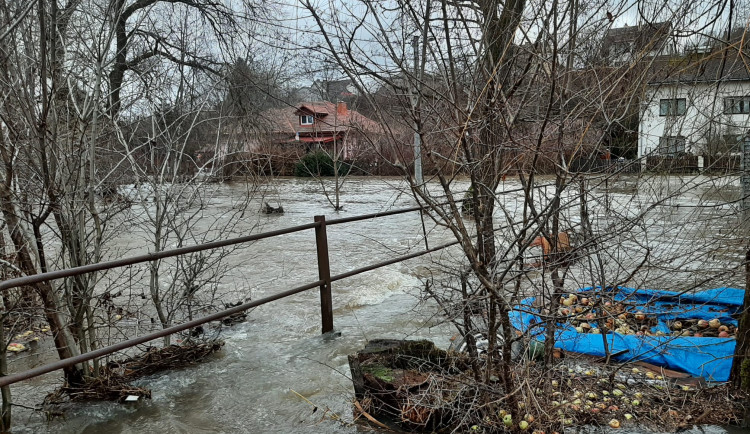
pixel 252 385
pixel 276 368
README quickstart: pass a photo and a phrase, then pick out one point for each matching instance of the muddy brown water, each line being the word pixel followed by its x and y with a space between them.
pixel 256 383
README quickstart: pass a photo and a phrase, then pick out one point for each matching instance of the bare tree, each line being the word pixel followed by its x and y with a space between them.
pixel 506 92
pixel 71 75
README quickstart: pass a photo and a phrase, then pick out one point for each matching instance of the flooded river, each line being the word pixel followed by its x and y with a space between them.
pixel 252 385
pixel 276 368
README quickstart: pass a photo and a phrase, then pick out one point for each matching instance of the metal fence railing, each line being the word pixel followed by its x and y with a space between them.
pixel 324 281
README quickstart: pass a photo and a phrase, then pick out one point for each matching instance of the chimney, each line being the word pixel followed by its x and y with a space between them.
pixel 341 108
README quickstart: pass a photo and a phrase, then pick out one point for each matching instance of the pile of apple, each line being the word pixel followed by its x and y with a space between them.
pixel 579 312
pixel 699 328
pixel 623 318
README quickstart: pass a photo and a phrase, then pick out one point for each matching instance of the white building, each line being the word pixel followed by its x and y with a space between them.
pixel 697 105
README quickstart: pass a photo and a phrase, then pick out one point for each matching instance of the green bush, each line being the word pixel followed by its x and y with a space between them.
pixel 318 163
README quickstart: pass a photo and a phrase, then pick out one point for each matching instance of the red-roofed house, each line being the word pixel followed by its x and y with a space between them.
pixel 321 125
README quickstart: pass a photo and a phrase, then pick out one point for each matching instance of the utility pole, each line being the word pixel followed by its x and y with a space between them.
pixel 415 105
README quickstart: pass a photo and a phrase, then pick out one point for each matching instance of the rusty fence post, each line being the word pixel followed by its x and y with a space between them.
pixel 324 273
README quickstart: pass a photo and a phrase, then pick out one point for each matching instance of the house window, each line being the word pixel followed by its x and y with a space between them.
pixel 306 120
pixel 672 107
pixel 671 146
pixel 736 105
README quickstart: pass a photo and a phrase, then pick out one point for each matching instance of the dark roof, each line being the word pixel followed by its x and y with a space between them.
pixel 725 65
pixel 635 39
pixel 642 35
pixel 334 90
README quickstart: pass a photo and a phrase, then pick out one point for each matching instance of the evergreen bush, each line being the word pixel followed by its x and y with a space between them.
pixel 318 163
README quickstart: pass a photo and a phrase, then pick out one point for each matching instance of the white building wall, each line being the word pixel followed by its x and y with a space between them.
pixel 704 117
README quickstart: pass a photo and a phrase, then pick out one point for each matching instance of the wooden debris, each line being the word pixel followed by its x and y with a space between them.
pixel 368 416
pixel 268 209
pixel 113 381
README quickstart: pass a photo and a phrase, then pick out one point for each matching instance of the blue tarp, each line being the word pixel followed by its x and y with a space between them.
pixel 708 357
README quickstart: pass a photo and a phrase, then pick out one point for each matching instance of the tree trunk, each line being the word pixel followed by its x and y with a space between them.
pixel 5 412
pixel 117 74
pixel 740 374
pixel 64 342
pixel 558 280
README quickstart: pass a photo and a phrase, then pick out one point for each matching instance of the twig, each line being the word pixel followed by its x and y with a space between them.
pixel 369 417
pixel 333 416
pixel 26 406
